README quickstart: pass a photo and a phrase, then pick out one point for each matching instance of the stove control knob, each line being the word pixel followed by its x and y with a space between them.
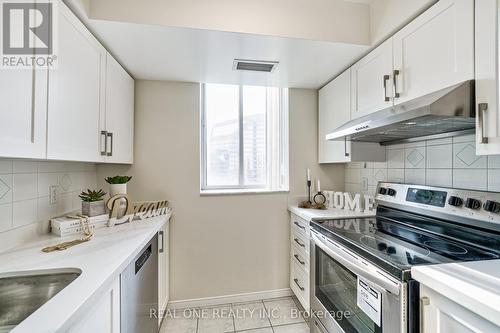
pixel 455 201
pixel 491 206
pixel 382 246
pixel 391 250
pixel 391 192
pixel 382 190
pixel 472 203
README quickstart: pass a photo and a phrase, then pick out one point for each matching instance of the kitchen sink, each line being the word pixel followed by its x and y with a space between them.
pixel 23 293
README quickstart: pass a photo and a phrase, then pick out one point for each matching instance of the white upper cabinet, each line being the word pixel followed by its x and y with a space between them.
pixel 434 51
pixel 334 111
pixel 372 81
pixel 487 32
pixel 23 112
pixel 76 96
pixel 119 119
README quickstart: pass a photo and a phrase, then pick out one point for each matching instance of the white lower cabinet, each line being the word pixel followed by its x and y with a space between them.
pixel 104 315
pixel 163 269
pixel 439 314
pixel 299 260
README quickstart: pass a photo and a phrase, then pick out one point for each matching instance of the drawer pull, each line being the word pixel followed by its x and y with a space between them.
pixel 300 244
pixel 298 259
pixel 299 225
pixel 298 285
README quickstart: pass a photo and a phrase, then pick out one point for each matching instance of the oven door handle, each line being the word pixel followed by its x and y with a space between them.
pixel 351 263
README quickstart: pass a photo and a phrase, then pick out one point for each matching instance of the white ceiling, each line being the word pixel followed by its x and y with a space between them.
pixel 180 54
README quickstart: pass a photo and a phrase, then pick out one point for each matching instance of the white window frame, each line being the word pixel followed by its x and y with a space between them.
pixel 276 171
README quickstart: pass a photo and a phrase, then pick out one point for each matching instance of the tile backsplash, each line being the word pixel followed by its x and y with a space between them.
pixel 449 162
pixel 24 190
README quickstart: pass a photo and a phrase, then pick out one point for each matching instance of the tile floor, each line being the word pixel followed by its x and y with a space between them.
pixel 277 315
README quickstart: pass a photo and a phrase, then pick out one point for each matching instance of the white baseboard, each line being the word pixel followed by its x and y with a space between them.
pixel 237 298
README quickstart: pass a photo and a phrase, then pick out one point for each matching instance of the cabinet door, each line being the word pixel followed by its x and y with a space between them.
pixel 75 93
pixel 434 51
pixel 334 111
pixel 23 113
pixel 372 81
pixel 119 113
pixel 487 32
pixel 439 314
pixel 163 269
pixel 104 315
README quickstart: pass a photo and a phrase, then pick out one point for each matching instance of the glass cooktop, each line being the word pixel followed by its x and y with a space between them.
pixel 396 240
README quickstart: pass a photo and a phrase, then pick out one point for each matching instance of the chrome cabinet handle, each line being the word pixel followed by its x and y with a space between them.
pixel 395 81
pixel 298 259
pixel 424 301
pixel 298 285
pixel 297 241
pixel 299 225
pixel 105 135
pixel 319 326
pixel 346 154
pixel 162 243
pixel 482 108
pixel 110 136
pixel 386 78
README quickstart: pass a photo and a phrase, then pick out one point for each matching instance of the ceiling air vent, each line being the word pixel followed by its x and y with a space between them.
pixel 254 65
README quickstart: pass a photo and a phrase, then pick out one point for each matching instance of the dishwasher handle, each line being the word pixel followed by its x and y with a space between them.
pixel 141 261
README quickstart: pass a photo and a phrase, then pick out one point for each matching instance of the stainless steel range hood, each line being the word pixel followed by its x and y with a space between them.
pixel 450 111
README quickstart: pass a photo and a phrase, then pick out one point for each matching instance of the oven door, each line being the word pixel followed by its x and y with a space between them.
pixel 335 275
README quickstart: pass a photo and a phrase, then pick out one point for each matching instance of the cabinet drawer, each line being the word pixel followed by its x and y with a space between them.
pixel 300 257
pixel 300 240
pixel 299 224
pixel 299 283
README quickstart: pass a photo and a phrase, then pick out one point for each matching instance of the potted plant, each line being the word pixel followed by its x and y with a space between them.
pixel 93 203
pixel 118 184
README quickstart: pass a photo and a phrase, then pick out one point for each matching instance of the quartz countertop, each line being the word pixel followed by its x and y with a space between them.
pixel 101 261
pixel 332 213
pixel 474 285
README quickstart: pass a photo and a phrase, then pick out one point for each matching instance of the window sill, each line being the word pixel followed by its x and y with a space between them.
pixel 239 192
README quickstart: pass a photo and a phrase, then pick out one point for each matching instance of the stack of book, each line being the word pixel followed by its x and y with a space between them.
pixel 65 226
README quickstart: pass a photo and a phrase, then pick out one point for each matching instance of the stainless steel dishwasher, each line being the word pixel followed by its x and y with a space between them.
pixel 139 291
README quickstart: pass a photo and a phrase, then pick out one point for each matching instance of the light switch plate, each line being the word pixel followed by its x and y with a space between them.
pixel 364 184
pixel 53 194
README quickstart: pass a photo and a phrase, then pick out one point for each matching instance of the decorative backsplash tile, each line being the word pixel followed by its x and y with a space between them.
pixel 448 162
pixel 24 190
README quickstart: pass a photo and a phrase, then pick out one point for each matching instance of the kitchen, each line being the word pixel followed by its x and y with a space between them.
pixel 329 166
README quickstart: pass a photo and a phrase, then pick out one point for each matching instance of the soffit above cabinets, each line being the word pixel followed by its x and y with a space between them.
pixel 180 54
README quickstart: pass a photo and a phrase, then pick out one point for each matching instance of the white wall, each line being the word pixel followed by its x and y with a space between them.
pixel 220 245
pixel 388 16
pixel 450 162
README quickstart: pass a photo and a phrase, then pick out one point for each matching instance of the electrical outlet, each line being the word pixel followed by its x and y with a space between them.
pixel 53 194
pixel 364 184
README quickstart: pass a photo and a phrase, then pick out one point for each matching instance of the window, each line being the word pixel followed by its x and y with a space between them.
pixel 244 138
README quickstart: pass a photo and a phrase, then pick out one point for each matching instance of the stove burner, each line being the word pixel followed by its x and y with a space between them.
pixel 445 247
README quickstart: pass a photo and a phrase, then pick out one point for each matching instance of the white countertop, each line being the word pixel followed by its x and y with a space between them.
pixel 334 213
pixel 101 261
pixel 474 285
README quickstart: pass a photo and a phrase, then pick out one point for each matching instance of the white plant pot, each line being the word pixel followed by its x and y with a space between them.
pixel 115 189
